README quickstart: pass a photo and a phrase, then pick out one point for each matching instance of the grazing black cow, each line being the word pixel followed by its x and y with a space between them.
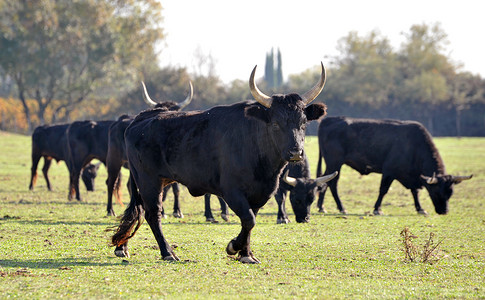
pixel 88 174
pixel 399 150
pixel 236 152
pixel 296 179
pixel 116 157
pixel 49 142
pixel 86 140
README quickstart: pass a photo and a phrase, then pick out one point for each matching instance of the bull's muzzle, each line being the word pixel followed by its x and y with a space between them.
pixel 306 219
pixel 295 155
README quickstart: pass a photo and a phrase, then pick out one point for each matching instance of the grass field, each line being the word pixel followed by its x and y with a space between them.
pixel 53 248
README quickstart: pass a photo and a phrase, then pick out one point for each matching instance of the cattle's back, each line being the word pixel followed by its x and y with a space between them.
pixel 50 140
pixel 204 149
pixel 404 148
pixel 89 138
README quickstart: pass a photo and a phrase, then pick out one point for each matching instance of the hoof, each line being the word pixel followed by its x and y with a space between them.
pixel 230 249
pixel 377 212
pixel 172 257
pixel 225 217
pixel 283 221
pixel 164 216
pixel 211 220
pixel 178 215
pixel 422 212
pixel 343 212
pixel 249 260
pixel 111 214
pixel 122 253
pixel 322 210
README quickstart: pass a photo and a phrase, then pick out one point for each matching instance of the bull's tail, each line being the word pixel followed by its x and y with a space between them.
pixel 319 164
pixel 132 218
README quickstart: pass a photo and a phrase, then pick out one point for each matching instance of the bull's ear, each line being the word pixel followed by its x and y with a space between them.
pixel 315 111
pixel 257 112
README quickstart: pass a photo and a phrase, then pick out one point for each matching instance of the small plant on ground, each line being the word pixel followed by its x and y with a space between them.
pixel 428 253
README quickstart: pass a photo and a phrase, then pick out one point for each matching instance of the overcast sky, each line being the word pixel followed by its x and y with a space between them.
pixel 238 34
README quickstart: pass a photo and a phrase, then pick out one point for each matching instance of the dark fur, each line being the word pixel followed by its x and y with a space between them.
pixel 116 157
pixel 399 150
pixel 236 152
pixel 49 142
pixel 301 196
pixel 86 140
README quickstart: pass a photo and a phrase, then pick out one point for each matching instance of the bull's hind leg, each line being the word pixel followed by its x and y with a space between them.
pixel 151 193
pixel 332 184
pixel 45 170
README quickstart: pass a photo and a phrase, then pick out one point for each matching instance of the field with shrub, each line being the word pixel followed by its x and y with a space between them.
pixel 51 247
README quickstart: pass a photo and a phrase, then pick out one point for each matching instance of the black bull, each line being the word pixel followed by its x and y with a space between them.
pixel 50 142
pixel 399 150
pixel 296 179
pixel 236 152
pixel 86 140
pixel 116 155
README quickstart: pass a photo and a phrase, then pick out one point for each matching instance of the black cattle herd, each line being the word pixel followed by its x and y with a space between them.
pixel 243 153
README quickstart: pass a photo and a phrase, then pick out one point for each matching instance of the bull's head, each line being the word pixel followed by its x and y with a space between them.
pixel 168 104
pixel 302 193
pixel 89 173
pixel 440 189
pixel 286 116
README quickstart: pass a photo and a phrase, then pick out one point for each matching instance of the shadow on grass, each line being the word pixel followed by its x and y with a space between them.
pixel 53 263
pixel 68 263
pixel 50 202
pixel 60 222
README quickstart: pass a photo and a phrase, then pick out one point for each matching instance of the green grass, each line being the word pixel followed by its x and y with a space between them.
pixel 53 248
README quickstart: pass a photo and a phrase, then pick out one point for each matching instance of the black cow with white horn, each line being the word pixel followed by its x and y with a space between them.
pixel 234 151
pixel 116 157
pixel 296 179
pixel 399 150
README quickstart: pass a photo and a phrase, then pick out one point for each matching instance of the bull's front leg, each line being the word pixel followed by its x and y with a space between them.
pixel 280 197
pixel 241 244
pixel 417 205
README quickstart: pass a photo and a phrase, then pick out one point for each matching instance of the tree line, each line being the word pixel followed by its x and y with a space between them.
pixel 62 61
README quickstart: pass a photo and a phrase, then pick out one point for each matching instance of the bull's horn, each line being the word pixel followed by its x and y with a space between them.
pixel 189 97
pixel 290 180
pixel 430 180
pixel 257 94
pixel 309 96
pixel 458 179
pixel 324 179
pixel 146 97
